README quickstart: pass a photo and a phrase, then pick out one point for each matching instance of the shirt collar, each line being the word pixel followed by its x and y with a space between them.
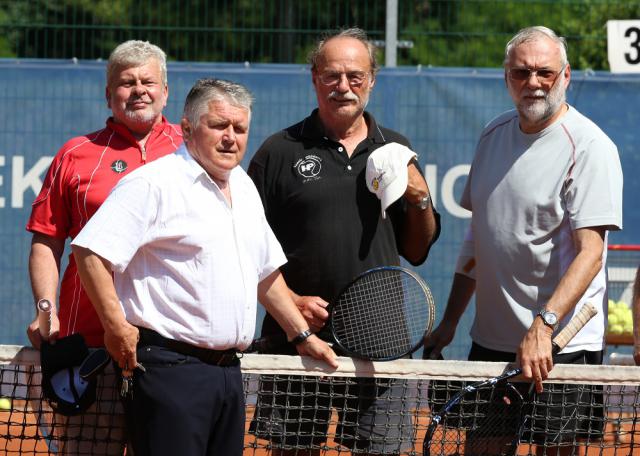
pixel 123 131
pixel 194 169
pixel 312 128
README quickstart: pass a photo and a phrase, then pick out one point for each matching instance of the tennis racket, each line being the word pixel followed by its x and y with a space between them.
pixel 383 314
pixel 492 411
pixel 44 318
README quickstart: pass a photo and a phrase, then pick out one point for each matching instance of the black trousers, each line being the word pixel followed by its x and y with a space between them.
pixel 184 406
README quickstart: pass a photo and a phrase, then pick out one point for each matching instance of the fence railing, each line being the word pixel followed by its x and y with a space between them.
pixel 458 33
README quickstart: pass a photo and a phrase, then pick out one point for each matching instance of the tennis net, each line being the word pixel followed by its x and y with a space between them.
pixel 291 402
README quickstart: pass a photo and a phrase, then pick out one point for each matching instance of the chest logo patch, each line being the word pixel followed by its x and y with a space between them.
pixel 119 166
pixel 309 167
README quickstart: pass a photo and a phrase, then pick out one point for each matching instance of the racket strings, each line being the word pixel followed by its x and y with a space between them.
pixel 383 315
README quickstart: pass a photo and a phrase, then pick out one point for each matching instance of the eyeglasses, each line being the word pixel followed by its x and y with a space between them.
pixel 544 75
pixel 355 78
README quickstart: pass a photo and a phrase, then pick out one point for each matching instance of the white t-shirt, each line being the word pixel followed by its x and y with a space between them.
pixel 527 193
pixel 187 264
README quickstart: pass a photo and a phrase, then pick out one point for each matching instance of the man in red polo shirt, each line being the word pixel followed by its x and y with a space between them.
pixel 83 173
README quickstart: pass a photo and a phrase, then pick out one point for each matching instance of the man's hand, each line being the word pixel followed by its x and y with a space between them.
pixel 439 338
pixel 318 349
pixel 535 353
pixel 121 345
pixel 33 331
pixel 416 184
pixel 314 311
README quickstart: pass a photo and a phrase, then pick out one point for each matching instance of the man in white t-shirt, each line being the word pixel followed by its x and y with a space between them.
pixel 544 189
pixel 188 241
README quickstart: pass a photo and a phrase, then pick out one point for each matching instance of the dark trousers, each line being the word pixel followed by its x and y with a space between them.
pixel 184 406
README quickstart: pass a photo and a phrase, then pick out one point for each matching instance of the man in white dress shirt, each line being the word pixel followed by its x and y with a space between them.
pixel 189 244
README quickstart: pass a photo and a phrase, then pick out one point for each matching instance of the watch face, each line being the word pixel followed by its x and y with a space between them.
pixel 550 318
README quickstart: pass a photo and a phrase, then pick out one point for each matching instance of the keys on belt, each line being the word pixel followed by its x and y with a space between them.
pixel 126 389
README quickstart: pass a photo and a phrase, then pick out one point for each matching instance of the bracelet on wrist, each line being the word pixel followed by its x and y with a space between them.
pixel 304 335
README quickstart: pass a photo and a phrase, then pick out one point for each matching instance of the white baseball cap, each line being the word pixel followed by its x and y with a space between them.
pixel 387 173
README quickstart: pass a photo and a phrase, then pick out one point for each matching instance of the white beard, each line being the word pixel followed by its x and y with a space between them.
pixel 542 109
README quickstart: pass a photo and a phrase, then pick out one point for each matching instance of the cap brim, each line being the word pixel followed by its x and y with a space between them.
pixel 393 192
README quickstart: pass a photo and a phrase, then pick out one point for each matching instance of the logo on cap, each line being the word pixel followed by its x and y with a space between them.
pixel 375 183
pixel 386 173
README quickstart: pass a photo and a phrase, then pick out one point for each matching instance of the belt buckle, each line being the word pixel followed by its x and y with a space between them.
pixel 226 359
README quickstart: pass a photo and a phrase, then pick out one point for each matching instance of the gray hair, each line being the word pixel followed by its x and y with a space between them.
pixel 534 33
pixel 206 90
pixel 135 53
pixel 356 33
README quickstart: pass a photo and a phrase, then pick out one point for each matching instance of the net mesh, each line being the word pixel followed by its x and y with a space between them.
pixel 295 404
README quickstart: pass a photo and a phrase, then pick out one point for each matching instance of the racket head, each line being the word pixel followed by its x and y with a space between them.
pixel 490 424
pixel 488 419
pixel 383 314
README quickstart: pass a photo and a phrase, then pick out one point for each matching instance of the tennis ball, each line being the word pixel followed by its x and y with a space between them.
pixel 614 319
pixel 616 329
pixel 5 403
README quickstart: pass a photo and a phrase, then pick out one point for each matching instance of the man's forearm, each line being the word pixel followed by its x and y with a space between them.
pixel 419 228
pixel 276 298
pixel 44 266
pixel 581 272
pixel 462 289
pixel 419 231
pixel 95 273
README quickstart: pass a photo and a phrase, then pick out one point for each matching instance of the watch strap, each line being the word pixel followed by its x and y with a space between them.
pixel 304 335
pixel 543 315
pixel 424 203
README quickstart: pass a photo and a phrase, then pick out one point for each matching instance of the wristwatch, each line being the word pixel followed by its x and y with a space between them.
pixel 549 318
pixel 304 335
pixel 424 203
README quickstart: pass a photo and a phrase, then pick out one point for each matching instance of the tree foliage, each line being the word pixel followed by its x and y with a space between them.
pixel 443 32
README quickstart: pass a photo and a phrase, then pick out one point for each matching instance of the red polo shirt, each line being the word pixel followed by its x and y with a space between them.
pixel 82 174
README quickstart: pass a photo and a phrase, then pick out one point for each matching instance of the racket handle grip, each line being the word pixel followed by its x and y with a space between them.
pixel 577 322
pixel 44 318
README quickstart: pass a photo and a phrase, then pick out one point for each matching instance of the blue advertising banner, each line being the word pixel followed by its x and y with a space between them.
pixel 441 110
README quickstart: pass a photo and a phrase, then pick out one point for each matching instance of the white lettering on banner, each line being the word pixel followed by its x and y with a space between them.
pixel 20 182
pixel 449 200
pixel 1 179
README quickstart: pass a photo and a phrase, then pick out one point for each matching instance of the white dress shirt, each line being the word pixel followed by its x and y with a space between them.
pixel 187 264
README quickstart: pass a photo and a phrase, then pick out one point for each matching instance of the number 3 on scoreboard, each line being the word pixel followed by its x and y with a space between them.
pixel 623 46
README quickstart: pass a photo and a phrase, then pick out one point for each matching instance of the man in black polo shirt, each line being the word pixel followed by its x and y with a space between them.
pixel 311 178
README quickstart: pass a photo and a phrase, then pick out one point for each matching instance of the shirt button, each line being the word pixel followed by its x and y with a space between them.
pixel 349 167
pixel 340 149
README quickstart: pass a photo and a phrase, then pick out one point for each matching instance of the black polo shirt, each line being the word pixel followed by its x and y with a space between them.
pixel 318 205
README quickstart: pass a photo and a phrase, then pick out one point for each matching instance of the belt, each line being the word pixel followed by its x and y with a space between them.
pixel 206 355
